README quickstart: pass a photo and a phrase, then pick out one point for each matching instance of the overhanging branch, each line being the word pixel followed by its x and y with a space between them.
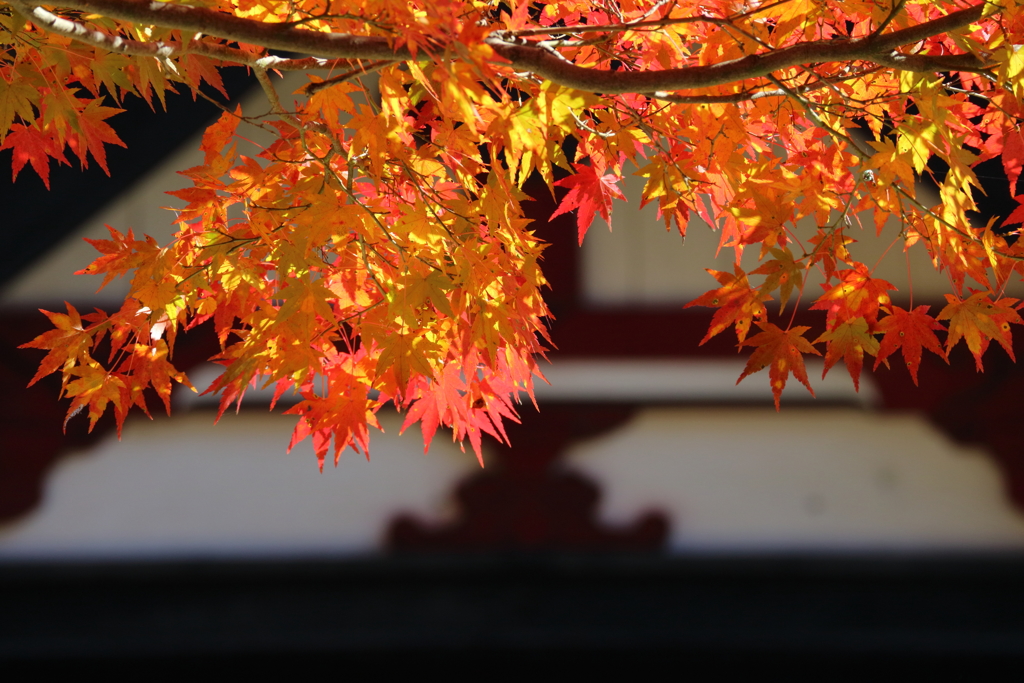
pixel 170 49
pixel 870 49
pixel 222 25
pixel 526 56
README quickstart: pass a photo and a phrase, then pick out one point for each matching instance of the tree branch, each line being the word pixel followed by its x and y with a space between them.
pixel 230 27
pixel 524 56
pixel 78 31
pixel 870 49
pixel 753 95
pixel 50 22
pixel 360 70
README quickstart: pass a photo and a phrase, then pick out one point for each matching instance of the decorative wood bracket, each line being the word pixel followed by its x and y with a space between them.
pixel 528 501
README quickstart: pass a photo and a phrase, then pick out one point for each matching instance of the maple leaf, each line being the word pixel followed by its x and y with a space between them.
pixel 343 411
pixel 738 303
pixel 909 331
pixel 218 135
pixel 1016 216
pixel 977 320
pixel 15 101
pixel 67 344
pixel 94 133
pixel 342 417
pixel 32 146
pixel 890 163
pixel 783 273
pixel 148 366
pixel 858 295
pixel 849 340
pixel 1013 157
pixel 425 411
pixel 406 354
pixel 94 388
pixel 829 250
pixel 589 194
pixel 121 254
pixel 782 352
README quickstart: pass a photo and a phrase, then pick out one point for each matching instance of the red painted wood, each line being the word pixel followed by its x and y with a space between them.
pixel 526 501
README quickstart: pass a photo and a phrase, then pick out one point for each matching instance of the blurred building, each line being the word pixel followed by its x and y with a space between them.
pixel 649 498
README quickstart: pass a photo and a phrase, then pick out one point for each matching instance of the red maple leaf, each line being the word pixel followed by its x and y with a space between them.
pixel 1016 216
pixel 148 366
pixel 32 146
pixel 1013 157
pixel 344 415
pixel 737 301
pixel 783 351
pixel 589 194
pixel 910 331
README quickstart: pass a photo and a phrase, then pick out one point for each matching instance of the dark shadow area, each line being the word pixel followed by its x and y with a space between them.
pixel 36 219
pixel 519 614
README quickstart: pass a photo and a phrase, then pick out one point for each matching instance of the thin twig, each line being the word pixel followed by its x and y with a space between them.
pixel 896 9
pixel 314 88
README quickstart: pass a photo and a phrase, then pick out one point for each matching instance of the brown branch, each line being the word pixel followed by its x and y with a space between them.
pixel 524 56
pixel 871 49
pixel 268 35
pixel 274 63
pixel 754 95
pixel 47 21
pixel 615 28
pixel 732 98
pixel 930 63
pixel 78 31
pixel 638 24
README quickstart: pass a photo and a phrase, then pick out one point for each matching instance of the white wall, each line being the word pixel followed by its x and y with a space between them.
pixel 639 262
pixel 741 480
pixel 808 479
pixel 182 487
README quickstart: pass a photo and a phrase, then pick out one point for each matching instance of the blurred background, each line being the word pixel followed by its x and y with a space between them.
pixel 651 510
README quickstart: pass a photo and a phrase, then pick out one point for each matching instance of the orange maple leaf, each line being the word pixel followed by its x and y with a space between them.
pixel 783 273
pixel 66 344
pixel 94 133
pixel 94 388
pixel 858 295
pixel 148 366
pixel 782 350
pixel 849 341
pixel 218 135
pixel 121 255
pixel 977 320
pixel 737 301
pixel 910 331
pixel 344 414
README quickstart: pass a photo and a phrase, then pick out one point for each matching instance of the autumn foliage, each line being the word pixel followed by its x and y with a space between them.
pixel 377 251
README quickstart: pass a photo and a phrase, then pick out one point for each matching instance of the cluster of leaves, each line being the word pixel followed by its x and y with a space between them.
pixel 376 251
